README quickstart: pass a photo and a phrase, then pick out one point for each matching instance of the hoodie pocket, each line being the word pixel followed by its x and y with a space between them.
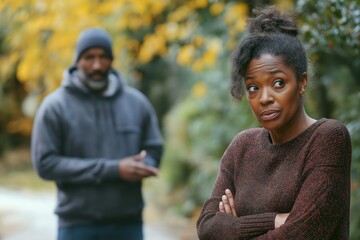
pixel 130 139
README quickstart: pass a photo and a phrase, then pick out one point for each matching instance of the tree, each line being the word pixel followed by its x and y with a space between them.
pixel 332 35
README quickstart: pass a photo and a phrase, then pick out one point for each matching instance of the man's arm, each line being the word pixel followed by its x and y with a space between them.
pixel 46 145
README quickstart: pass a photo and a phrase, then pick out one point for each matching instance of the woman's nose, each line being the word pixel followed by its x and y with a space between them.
pixel 266 97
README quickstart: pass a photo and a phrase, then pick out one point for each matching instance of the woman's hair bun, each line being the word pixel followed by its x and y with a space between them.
pixel 270 20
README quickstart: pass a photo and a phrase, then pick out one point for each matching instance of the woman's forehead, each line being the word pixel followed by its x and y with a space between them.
pixel 268 63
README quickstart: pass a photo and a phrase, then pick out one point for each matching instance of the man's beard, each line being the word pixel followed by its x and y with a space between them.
pixel 94 85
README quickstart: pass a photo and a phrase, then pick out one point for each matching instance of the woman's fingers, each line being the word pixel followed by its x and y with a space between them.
pixel 226 204
pixel 231 201
pixel 221 207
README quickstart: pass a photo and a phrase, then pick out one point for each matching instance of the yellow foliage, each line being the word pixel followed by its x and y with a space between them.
pixel 43 22
pixel 240 25
pixel 239 10
pixel 169 30
pixel 108 7
pixel 157 7
pixel 22 126
pixel 198 41
pixel 135 22
pixel 199 90
pixel 198 65
pixel 284 5
pixel 186 30
pixel 216 8
pixel 215 45
pixel 139 6
pixel 153 45
pixel 133 45
pixel 11 5
pixel 236 16
pixel 200 3
pixel 62 39
pixel 209 58
pixel 180 14
pixel 185 55
pixel 7 64
pixel 45 33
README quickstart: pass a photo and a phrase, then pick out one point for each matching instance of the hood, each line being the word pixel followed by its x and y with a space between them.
pixel 72 82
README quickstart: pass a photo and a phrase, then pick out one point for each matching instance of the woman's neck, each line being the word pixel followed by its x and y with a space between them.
pixel 292 129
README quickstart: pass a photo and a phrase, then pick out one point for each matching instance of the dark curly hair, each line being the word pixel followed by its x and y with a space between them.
pixel 270 32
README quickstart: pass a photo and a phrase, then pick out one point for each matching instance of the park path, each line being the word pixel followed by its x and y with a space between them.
pixel 28 215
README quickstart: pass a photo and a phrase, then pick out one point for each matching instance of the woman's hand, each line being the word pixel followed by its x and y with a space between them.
pixel 280 219
pixel 227 205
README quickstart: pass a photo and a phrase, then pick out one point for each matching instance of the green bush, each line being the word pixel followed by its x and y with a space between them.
pixel 198 130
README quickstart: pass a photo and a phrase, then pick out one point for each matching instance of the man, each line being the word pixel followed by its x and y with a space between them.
pixel 97 139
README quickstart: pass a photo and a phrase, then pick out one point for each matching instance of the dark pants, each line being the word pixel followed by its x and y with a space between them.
pixel 129 231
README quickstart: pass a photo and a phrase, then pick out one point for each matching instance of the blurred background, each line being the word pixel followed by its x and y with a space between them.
pixel 177 53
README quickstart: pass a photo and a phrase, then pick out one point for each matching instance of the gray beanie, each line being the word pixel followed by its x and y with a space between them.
pixel 93 37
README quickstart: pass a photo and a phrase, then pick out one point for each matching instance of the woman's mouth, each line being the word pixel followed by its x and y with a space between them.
pixel 269 115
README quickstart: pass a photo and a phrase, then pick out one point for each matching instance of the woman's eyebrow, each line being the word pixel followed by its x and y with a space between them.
pixel 276 70
pixel 248 78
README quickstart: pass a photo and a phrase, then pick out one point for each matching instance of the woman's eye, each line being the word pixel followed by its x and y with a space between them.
pixel 279 83
pixel 251 88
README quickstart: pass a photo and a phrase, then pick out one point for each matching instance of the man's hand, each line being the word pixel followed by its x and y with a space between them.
pixel 227 205
pixel 133 168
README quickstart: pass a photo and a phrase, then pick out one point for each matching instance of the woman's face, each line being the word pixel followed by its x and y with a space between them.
pixel 273 92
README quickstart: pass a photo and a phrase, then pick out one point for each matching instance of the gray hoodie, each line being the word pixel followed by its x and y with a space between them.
pixel 79 137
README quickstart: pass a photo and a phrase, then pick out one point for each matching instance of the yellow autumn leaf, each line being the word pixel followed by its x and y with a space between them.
pixel 185 55
pixel 198 65
pixel 170 31
pixel 186 30
pixel 21 125
pixel 236 12
pixel 153 45
pixel 284 5
pixel 216 8
pixel 201 3
pixel 215 45
pixel 209 58
pixel 157 7
pixel 180 14
pixel 198 41
pixel 135 22
pixel 139 6
pixel 199 90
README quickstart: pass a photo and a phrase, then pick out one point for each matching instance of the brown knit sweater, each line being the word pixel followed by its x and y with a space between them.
pixel 308 177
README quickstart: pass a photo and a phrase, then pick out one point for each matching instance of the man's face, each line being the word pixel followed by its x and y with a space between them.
pixel 94 65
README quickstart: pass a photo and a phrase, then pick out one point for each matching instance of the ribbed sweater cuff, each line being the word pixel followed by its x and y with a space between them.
pixel 111 169
pixel 257 223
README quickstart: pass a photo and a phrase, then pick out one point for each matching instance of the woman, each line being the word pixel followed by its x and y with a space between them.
pixel 291 178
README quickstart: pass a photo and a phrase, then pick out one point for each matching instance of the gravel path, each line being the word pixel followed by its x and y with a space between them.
pixel 27 215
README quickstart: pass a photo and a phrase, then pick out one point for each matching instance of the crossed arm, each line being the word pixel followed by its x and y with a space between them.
pixel 227 205
pixel 319 212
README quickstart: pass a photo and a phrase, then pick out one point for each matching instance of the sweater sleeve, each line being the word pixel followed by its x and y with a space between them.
pixel 213 224
pixel 46 154
pixel 322 204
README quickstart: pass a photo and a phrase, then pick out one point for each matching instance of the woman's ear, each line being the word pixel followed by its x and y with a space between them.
pixel 303 83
